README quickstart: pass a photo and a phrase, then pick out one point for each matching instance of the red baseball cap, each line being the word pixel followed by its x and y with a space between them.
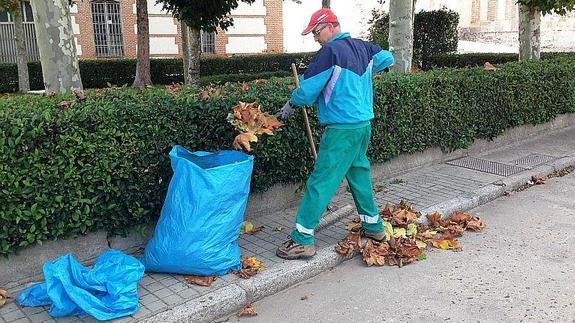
pixel 323 15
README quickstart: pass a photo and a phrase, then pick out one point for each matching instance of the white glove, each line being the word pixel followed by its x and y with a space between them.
pixel 285 112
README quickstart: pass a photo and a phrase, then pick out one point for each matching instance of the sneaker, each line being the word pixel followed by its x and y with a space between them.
pixel 377 236
pixel 291 250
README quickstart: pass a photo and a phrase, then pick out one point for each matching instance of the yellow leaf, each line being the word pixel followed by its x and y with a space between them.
pixel 444 244
pixel 420 244
pixel 388 230
pixel 247 226
pixel 411 229
pixel 399 232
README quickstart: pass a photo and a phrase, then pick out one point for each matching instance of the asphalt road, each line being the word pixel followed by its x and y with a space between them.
pixel 520 269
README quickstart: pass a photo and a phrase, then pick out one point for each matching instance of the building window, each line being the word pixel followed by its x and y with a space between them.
pixel 208 42
pixel 8 51
pixel 108 38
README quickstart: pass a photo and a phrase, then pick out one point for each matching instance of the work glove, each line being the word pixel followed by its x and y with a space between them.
pixel 285 112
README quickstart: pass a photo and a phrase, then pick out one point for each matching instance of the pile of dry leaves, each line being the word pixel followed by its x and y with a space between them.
pixel 250 121
pixel 3 297
pixel 405 240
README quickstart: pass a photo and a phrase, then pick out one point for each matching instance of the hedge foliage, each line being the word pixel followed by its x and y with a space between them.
pixel 101 73
pixel 434 32
pixel 478 59
pixel 103 164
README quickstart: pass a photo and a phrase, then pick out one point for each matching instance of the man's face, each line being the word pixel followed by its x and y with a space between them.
pixel 322 33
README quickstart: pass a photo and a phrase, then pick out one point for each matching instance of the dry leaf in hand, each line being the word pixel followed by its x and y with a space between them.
pixel 489 67
pixel 248 310
pixel 200 280
pixel 242 141
pixel 537 180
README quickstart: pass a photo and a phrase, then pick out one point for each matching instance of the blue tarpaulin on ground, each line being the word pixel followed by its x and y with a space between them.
pixel 201 217
pixel 106 291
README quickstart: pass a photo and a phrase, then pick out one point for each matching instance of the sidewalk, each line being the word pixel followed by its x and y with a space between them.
pixel 456 185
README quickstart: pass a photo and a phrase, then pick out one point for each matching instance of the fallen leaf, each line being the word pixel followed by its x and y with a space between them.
pixel 245 87
pixel 411 229
pixel 454 230
pixel 445 243
pixel 427 234
pixel 435 219
pixel 248 228
pixel 371 255
pixel 460 217
pixel 350 245
pixel 64 105
pixel 200 280
pixel 248 310
pixel 350 226
pixel 537 180
pixel 475 225
pixel 79 95
pixel 3 297
pixel 378 188
pixel 388 230
pixel 250 267
pixel 291 87
pixel 261 81
pixel 420 244
pixel 204 95
pixel 278 229
pixel 489 67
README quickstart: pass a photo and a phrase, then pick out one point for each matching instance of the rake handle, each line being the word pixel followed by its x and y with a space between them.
pixel 305 117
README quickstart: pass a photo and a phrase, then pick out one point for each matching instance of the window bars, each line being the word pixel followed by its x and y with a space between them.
pixel 208 42
pixel 107 23
pixel 8 51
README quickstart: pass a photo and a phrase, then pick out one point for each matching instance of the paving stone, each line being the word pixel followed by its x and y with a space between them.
pixel 189 293
pixel 13 316
pixel 147 280
pixel 42 316
pixel 142 312
pixel 164 292
pixel 150 298
pixel 156 306
pixel 8 308
pixel 21 320
pixel 154 287
pixel 32 310
pixel 172 299
pixel 178 287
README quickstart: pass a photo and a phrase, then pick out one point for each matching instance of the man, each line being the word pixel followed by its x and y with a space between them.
pixel 339 80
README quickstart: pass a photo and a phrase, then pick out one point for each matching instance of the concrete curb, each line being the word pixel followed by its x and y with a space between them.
pixel 232 298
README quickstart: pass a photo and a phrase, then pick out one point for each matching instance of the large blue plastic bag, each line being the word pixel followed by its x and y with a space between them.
pixel 106 291
pixel 202 214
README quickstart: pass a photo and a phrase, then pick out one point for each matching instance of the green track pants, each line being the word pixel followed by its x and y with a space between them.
pixel 342 153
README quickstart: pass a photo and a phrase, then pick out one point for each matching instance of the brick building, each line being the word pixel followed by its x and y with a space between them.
pixel 107 29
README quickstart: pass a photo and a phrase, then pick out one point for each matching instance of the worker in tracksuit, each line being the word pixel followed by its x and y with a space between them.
pixel 339 81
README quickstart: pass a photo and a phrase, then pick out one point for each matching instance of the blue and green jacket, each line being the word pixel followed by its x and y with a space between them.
pixel 339 80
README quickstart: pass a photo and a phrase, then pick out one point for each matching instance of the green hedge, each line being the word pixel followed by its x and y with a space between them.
pixel 103 164
pixel 104 72
pixel 478 59
pixel 434 32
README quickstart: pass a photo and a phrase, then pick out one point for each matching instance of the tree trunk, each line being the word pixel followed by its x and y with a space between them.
pixel 185 51
pixel 194 51
pixel 529 33
pixel 325 3
pixel 401 34
pixel 22 54
pixel 143 77
pixel 56 46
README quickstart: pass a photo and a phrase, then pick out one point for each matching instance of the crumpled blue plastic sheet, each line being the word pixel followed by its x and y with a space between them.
pixel 202 214
pixel 106 291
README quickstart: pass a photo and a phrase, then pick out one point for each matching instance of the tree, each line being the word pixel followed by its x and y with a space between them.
pixel 325 3
pixel 198 16
pixel 14 7
pixel 143 77
pixel 56 46
pixel 530 23
pixel 401 34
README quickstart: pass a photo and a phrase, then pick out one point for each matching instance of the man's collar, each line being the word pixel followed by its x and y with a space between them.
pixel 338 36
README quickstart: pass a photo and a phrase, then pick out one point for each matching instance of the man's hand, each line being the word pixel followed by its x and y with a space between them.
pixel 285 112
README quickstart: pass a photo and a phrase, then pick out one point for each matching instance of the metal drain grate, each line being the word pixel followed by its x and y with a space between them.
pixel 533 160
pixel 486 166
